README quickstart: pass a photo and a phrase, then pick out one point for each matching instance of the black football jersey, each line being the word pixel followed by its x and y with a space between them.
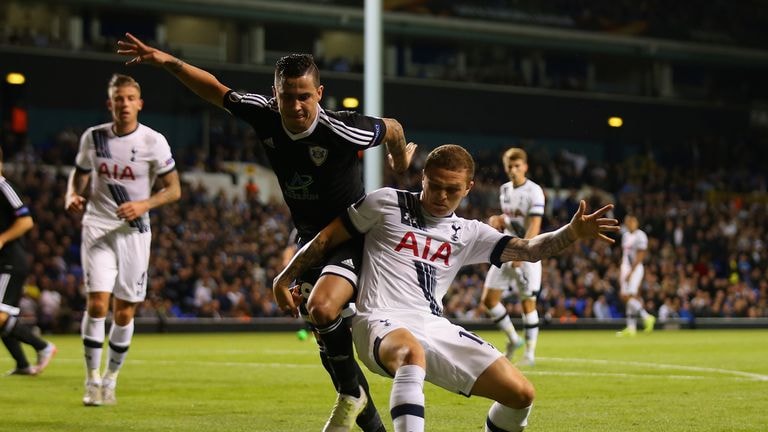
pixel 319 170
pixel 11 208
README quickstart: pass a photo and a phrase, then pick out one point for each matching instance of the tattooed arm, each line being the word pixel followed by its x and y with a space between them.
pixel 308 256
pixel 592 226
pixel 399 153
pixel 203 83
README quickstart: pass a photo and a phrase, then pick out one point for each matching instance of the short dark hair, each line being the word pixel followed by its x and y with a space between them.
pixel 451 157
pixel 297 65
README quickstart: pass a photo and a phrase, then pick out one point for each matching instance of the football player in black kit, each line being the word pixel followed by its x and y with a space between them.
pixel 314 153
pixel 15 221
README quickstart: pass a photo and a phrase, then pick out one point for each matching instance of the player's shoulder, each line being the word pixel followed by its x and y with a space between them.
pixel 103 127
pixel 389 197
pixel 532 185
pixel 385 194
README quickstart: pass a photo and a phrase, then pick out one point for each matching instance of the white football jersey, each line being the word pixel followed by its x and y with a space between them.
pixel 631 243
pixel 517 203
pixel 122 168
pixel 410 258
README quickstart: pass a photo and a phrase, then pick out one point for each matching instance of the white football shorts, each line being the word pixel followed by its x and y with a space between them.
pixel 633 286
pixel 455 357
pixel 525 280
pixel 116 261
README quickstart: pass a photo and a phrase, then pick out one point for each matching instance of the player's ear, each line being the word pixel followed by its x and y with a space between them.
pixel 274 92
pixel 320 92
pixel 109 104
pixel 469 187
pixel 141 104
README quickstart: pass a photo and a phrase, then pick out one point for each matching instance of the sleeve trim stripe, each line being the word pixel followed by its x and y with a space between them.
pixel 357 136
pixel 349 225
pixel 11 195
pixel 498 249
pixel 165 173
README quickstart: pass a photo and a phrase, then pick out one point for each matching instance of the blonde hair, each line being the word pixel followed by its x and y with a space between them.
pixel 514 154
pixel 120 80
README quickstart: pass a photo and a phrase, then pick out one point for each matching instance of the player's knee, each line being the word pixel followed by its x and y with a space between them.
pixel 322 310
pixel 521 395
pixel 97 308
pixel 410 354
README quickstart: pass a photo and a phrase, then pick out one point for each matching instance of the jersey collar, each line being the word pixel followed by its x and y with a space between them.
pixel 306 133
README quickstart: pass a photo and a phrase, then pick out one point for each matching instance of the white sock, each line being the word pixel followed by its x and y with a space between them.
pixel 500 316
pixel 92 331
pixel 119 342
pixel 531 321
pixel 406 401
pixel 502 418
pixel 633 308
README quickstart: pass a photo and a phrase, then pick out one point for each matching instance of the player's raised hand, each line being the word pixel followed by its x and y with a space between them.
pixel 139 52
pixel 594 225
pixel 410 149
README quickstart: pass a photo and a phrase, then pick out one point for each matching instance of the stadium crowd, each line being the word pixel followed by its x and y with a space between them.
pixel 215 256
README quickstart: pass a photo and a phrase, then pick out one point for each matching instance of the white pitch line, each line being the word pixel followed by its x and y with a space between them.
pixel 740 375
pixel 749 375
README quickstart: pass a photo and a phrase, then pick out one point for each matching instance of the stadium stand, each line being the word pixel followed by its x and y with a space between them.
pixel 692 171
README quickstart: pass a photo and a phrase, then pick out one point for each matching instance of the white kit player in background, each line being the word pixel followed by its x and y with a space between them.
pixel 634 244
pixel 122 159
pixel 522 206
pixel 414 246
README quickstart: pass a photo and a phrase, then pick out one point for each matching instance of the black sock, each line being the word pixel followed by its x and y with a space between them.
pixel 24 334
pixel 14 347
pixel 368 420
pixel 337 340
pixel 327 365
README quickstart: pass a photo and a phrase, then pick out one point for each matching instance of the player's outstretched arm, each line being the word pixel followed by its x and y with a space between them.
pixel 308 256
pixel 581 227
pixel 202 82
pixel 399 153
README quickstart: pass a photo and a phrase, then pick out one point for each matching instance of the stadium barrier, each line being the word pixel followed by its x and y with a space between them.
pixel 205 325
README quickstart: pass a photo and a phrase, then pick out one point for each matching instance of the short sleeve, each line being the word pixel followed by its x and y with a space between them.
pixel 83 159
pixel 537 202
pixel 162 159
pixel 362 216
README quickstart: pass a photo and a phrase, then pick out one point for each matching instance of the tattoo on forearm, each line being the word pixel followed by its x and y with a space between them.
pixel 306 257
pixel 175 65
pixel 539 247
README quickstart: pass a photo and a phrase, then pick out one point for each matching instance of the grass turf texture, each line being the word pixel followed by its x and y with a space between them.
pixel 701 380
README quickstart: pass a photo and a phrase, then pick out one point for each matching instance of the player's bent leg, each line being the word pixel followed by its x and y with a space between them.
pixel 496 311
pixel 512 392
pixel 400 352
pixel 329 296
pixel 7 325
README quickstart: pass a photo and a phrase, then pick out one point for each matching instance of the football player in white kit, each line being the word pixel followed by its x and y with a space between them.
pixel 634 243
pixel 122 159
pixel 414 246
pixel 522 206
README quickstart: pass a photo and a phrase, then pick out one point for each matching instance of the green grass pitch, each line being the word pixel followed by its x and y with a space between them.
pixel 700 380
